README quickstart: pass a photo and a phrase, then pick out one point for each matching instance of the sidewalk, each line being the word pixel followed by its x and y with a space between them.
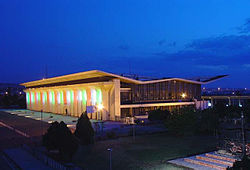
pixel 24 160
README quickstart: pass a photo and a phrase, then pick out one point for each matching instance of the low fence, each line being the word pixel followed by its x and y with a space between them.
pixel 49 161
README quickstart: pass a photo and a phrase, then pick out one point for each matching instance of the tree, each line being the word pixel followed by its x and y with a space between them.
pixel 84 130
pixel 158 115
pixel 59 137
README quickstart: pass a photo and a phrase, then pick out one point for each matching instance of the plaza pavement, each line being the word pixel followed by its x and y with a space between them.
pixel 119 128
pixel 69 120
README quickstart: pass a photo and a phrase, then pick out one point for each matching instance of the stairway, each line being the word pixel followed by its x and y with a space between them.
pixel 207 161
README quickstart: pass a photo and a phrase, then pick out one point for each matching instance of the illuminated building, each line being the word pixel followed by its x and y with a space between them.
pixel 113 96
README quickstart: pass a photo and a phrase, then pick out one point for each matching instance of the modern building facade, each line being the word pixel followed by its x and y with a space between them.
pixel 107 96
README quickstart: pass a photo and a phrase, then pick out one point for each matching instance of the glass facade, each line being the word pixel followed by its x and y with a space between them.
pixel 159 92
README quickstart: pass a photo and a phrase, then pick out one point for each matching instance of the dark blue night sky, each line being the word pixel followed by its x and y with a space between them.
pixel 173 38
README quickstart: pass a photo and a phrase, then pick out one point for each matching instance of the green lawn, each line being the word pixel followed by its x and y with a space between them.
pixel 146 152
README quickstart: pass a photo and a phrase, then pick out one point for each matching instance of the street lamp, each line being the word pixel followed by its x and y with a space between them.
pixel 243 135
pixel 134 131
pixel 110 158
pixel 41 120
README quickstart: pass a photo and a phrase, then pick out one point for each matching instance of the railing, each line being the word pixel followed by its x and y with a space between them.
pixel 49 161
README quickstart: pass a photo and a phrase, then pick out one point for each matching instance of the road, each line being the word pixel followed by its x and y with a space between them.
pixel 11 129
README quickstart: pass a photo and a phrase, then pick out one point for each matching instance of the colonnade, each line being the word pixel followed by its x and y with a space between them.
pixel 66 101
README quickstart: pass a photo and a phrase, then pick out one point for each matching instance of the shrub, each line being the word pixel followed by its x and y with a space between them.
pixel 208 121
pixel 111 135
pixel 182 123
pixel 224 111
pixel 244 164
pixel 246 112
pixel 84 130
pixel 158 115
pixel 59 137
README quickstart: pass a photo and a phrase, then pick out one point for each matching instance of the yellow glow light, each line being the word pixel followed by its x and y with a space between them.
pixel 100 107
pixel 183 95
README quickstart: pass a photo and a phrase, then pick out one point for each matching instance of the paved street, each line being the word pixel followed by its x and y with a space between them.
pixel 9 137
pixel 29 126
pixel 12 124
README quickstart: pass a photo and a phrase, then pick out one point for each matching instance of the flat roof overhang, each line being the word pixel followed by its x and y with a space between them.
pixel 106 85
pixel 97 74
pixel 156 104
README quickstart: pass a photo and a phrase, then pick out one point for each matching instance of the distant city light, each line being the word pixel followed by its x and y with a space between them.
pixel 218 88
pixel 209 104
pixel 240 105
pixel 183 95
pixel 6 92
pixel 204 88
pixel 227 105
pixel 245 88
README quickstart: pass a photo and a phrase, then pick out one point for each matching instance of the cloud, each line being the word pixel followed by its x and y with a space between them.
pixel 161 42
pixel 124 47
pixel 246 65
pixel 245 28
pixel 191 56
pixel 213 67
pixel 172 44
pixel 217 51
pixel 222 43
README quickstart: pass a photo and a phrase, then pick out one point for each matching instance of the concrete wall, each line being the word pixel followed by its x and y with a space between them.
pixel 115 111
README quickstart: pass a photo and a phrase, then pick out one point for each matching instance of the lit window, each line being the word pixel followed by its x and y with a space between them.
pixel 68 96
pixel 58 98
pixel 50 97
pixel 79 95
pixel 99 96
pixel 93 96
